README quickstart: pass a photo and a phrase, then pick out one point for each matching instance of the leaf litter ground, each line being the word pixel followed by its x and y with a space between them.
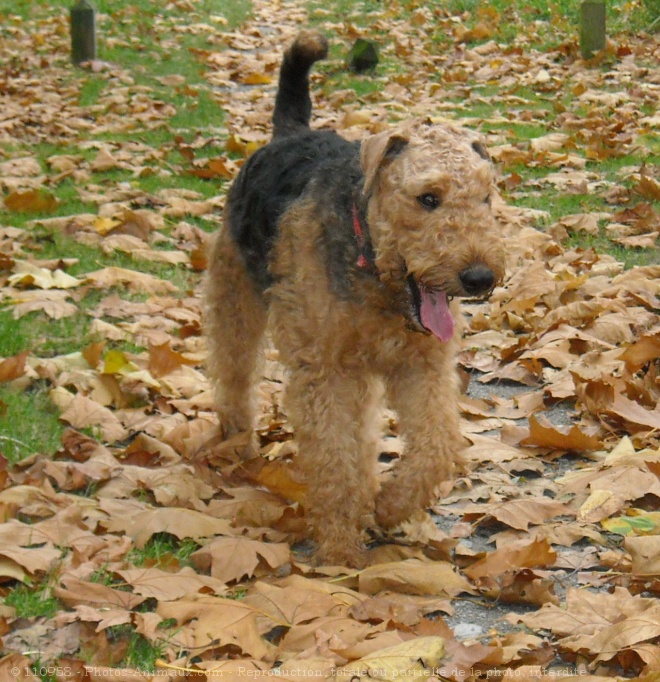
pixel 545 559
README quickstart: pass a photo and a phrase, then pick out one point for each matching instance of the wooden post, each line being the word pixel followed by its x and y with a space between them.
pixel 83 32
pixel 592 27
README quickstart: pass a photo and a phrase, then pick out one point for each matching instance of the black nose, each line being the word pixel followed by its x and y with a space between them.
pixel 477 279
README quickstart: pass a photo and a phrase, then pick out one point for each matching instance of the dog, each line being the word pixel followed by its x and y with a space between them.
pixel 353 257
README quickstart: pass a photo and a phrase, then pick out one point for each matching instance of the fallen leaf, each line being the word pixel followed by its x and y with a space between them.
pixel 414 577
pixel 535 554
pixel 31 201
pixel 14 367
pixel 28 274
pixel 182 523
pixel 138 282
pixel 213 622
pixel 417 658
pixel 163 360
pixel 231 558
pixel 550 437
pixel 166 586
pixel 645 554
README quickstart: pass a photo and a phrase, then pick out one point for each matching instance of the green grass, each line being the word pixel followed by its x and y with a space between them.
pixel 32 601
pixel 21 434
pixel 164 549
pixel 144 38
pixel 140 652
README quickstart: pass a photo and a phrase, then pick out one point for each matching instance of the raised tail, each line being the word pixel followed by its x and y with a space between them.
pixel 293 105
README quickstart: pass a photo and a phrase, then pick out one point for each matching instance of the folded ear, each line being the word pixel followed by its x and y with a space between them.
pixel 480 148
pixel 376 151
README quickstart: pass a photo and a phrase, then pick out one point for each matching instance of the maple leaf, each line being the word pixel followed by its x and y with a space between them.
pixel 413 577
pixel 537 553
pixel 33 201
pixel 52 302
pixel 12 368
pixel 133 280
pixel 83 412
pixel 215 621
pixel 408 659
pixel 163 360
pixel 29 274
pixel 231 558
pixel 549 436
pixel 167 586
pixel 183 523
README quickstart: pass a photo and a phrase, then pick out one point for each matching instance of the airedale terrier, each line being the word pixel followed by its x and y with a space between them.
pixel 351 255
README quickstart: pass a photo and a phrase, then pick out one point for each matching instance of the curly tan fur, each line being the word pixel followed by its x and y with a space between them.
pixel 345 331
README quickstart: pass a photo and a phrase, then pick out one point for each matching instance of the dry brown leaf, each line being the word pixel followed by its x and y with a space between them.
pixel 632 413
pixel 104 161
pixel 326 635
pixel 213 622
pixel 80 592
pixel 29 274
pixel 645 554
pixel 523 554
pixel 278 477
pixel 52 302
pixel 182 523
pixel 14 367
pixel 135 281
pixel 599 624
pixel 548 436
pixel 399 609
pixel 83 412
pixel 412 659
pixel 163 360
pixel 600 505
pixel 13 662
pixel 231 558
pixel 645 349
pixel 167 586
pixel 521 513
pixel 298 600
pixel 159 256
pixel 249 506
pixel 31 201
pixel 413 576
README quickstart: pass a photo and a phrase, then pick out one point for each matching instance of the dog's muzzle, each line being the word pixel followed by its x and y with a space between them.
pixel 430 307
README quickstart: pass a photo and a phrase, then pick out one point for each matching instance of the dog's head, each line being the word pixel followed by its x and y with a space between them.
pixel 428 192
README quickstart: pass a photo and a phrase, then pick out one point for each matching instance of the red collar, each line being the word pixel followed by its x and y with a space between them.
pixel 365 259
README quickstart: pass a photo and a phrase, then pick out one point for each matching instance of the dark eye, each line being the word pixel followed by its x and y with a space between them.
pixel 429 200
pixel 487 200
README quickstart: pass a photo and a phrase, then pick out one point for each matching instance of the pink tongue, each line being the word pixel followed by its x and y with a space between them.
pixel 435 314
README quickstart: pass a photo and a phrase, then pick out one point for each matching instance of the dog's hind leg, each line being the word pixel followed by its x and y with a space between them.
pixel 235 321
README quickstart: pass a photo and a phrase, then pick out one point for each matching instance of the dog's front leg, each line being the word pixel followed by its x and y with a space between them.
pixel 337 457
pixel 422 388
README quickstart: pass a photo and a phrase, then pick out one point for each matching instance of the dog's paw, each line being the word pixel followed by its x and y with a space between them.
pixel 349 555
pixel 391 509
